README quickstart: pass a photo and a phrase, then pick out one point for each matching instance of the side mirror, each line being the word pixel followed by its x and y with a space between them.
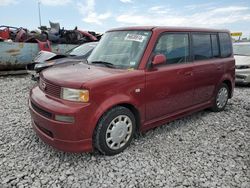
pixel 159 59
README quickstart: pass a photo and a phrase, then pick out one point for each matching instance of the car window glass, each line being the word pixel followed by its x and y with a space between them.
pixel 82 49
pixel 201 46
pixel 225 44
pixel 123 49
pixel 174 46
pixel 241 49
pixel 215 46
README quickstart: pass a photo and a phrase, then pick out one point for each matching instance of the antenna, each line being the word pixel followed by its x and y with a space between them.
pixel 39 12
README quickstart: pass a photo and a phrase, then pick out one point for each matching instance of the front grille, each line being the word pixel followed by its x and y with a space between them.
pixel 49 88
pixel 41 111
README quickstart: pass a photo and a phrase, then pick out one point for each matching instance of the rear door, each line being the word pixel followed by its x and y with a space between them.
pixel 207 66
pixel 169 87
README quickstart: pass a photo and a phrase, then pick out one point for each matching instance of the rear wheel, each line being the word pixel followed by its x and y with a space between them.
pixel 221 98
pixel 114 131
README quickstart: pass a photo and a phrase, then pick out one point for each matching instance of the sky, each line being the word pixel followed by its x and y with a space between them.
pixel 102 15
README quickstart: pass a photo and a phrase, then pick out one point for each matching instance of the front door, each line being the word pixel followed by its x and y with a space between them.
pixel 169 87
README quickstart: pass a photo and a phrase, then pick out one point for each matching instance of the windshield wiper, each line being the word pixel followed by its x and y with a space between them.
pixel 107 64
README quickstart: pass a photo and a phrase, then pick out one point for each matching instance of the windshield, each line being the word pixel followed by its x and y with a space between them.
pixel 122 49
pixel 82 49
pixel 242 49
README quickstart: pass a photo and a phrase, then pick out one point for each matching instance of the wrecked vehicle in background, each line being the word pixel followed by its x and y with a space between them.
pixel 16 55
pixel 54 34
pixel 242 61
pixel 19 46
pixel 46 59
pixel 57 35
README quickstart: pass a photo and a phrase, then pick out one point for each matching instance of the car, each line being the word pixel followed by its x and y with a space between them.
pixel 137 78
pixel 46 59
pixel 242 60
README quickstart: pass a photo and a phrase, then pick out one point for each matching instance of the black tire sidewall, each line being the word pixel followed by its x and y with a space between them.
pixel 102 126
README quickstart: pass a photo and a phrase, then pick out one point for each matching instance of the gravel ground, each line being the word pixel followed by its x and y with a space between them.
pixel 205 149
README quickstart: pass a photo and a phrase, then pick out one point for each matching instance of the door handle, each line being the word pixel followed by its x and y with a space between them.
pixel 188 73
pixel 219 67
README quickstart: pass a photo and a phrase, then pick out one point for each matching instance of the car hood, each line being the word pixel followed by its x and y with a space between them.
pixel 44 65
pixel 242 60
pixel 76 74
pixel 45 56
pixel 63 60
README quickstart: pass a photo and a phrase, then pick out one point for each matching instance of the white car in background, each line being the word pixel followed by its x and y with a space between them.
pixel 242 62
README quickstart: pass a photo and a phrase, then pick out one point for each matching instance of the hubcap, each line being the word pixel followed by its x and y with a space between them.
pixel 119 131
pixel 222 97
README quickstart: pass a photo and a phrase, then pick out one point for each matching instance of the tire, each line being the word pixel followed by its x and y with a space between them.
pixel 221 98
pixel 114 131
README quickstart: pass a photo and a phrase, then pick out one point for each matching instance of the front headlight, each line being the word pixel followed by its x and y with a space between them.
pixel 75 94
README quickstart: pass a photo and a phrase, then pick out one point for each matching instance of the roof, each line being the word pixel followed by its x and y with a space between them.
pixel 169 28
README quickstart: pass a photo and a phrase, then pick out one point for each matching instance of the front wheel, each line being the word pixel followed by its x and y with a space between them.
pixel 114 131
pixel 221 98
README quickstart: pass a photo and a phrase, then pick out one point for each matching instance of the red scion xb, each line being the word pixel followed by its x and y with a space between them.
pixel 136 78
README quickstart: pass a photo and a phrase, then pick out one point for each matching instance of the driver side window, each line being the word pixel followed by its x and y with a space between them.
pixel 175 46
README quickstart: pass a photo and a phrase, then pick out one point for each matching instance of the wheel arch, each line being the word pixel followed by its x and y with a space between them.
pixel 136 113
pixel 230 87
pixel 120 100
pixel 129 106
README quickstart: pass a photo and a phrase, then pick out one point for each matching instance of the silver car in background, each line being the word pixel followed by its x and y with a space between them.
pixel 242 62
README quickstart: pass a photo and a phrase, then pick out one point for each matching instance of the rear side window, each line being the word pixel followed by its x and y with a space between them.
pixel 201 46
pixel 225 44
pixel 174 46
pixel 215 46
